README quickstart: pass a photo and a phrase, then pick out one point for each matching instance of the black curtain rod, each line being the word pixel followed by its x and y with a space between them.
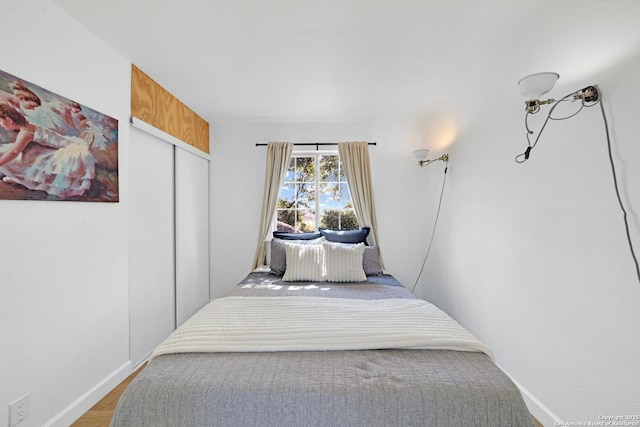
pixel 314 144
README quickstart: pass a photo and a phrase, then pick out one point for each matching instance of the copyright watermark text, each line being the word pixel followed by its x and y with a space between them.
pixel 605 421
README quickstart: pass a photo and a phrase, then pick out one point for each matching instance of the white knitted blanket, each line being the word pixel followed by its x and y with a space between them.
pixel 263 324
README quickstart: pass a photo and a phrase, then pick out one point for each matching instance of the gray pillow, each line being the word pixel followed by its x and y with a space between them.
pixel 371 261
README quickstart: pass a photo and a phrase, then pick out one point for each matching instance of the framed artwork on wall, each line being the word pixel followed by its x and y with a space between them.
pixel 53 148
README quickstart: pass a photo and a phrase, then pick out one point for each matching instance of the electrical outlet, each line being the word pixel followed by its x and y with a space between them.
pixel 19 410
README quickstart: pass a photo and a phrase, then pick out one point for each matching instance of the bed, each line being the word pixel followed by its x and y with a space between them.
pixel 277 352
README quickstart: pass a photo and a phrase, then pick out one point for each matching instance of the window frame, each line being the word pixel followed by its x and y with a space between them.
pixel 316 154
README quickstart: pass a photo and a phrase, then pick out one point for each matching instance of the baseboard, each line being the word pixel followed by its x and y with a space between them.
pixel 82 404
pixel 141 363
pixel 537 408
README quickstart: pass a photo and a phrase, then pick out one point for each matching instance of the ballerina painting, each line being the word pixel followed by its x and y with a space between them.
pixel 53 148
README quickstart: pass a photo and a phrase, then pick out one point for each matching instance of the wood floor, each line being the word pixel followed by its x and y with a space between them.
pixel 100 414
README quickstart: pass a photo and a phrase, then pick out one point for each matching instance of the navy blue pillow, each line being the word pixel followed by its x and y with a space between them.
pixel 296 236
pixel 346 236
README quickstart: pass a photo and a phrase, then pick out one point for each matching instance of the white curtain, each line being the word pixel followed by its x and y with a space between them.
pixel 355 161
pixel 278 156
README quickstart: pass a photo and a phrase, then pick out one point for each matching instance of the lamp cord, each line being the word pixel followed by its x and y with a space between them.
pixel 521 158
pixel 433 232
pixel 615 184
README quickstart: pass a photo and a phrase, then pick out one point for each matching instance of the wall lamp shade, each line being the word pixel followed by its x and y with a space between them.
pixel 421 154
pixel 536 85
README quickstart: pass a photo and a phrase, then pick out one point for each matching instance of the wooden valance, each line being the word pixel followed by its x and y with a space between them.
pixel 157 107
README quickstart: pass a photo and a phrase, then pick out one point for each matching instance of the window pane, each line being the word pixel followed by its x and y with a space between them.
pixel 305 169
pixel 330 219
pixel 345 198
pixel 286 220
pixel 329 195
pixel 306 221
pixel 348 220
pixel 287 196
pixel 305 196
pixel 329 168
pixel 289 176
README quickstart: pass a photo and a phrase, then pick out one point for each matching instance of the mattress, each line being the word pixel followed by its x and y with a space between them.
pixel 373 387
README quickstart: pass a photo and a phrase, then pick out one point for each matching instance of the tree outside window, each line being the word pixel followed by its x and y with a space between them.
pixel 315 194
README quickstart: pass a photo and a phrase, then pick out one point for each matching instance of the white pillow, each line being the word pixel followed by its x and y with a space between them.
pixel 343 262
pixel 304 262
pixel 278 261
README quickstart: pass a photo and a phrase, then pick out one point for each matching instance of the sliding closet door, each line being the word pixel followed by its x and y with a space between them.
pixel 192 233
pixel 151 243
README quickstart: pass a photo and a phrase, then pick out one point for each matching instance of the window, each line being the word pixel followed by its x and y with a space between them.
pixel 315 194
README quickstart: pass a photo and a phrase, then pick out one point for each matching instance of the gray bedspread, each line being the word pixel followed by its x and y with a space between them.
pixel 322 388
pixel 266 284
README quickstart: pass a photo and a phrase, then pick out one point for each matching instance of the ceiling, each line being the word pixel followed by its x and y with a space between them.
pixel 352 60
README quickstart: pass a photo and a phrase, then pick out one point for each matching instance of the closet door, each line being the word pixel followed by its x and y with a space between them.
pixel 151 243
pixel 192 233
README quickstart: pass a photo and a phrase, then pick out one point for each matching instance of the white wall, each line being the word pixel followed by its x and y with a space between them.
pixel 63 269
pixel 538 264
pixel 237 180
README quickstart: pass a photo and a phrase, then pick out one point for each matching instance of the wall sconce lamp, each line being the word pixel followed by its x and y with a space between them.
pixel 532 88
pixel 422 154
